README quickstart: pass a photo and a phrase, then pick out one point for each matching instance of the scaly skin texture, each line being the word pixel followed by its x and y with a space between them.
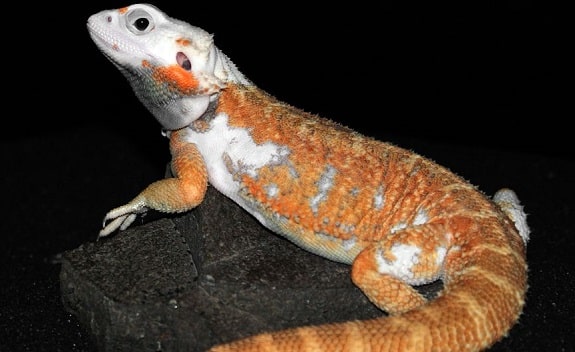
pixel 396 217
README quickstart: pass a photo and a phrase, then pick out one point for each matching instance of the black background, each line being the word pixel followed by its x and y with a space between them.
pixel 481 90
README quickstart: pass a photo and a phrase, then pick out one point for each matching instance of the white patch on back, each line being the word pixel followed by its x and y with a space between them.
pixel 379 198
pixel 397 227
pixel 324 184
pixel 224 142
pixel 421 217
pixel 272 190
pixel 441 253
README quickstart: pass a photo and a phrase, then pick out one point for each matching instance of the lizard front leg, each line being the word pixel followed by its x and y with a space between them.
pixel 181 193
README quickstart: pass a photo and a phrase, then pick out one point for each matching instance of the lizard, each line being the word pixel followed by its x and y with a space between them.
pixel 396 217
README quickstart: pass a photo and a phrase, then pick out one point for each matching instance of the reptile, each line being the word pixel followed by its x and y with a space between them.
pixel 396 217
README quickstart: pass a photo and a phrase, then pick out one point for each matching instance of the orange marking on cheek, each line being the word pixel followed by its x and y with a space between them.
pixel 123 10
pixel 176 78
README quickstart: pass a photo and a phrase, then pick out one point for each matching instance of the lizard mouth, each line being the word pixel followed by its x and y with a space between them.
pixel 99 36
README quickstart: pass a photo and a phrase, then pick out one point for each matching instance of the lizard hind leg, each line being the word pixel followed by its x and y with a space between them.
pixel 387 270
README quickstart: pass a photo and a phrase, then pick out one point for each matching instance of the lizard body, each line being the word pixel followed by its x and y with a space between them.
pixel 396 217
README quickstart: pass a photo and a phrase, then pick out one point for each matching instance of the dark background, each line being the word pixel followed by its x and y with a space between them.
pixel 478 89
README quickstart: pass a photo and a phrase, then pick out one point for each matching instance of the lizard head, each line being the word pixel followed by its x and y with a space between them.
pixel 170 64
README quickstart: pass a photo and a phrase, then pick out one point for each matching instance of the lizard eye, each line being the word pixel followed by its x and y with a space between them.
pixel 139 22
pixel 183 61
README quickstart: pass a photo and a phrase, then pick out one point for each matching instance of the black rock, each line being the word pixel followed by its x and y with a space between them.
pixel 212 275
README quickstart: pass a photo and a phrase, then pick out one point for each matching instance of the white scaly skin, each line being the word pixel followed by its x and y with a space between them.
pixel 396 217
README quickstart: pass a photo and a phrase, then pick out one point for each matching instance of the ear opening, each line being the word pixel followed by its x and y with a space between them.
pixel 183 60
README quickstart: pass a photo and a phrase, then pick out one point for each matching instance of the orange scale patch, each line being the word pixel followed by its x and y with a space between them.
pixel 183 41
pixel 254 189
pixel 285 203
pixel 289 207
pixel 176 78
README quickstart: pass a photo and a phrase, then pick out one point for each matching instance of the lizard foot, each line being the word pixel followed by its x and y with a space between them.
pixel 121 217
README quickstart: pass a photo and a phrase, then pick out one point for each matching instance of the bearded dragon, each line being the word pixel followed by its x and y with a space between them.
pixel 397 218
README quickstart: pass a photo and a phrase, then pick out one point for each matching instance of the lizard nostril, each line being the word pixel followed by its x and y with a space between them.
pixel 109 19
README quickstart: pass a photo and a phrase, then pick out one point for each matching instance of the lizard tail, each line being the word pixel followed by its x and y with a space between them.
pixel 484 290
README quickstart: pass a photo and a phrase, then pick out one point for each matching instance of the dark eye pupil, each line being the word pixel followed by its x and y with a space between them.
pixel 141 23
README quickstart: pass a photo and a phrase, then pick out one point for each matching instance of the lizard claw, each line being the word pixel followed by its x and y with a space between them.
pixel 121 218
pixel 120 223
